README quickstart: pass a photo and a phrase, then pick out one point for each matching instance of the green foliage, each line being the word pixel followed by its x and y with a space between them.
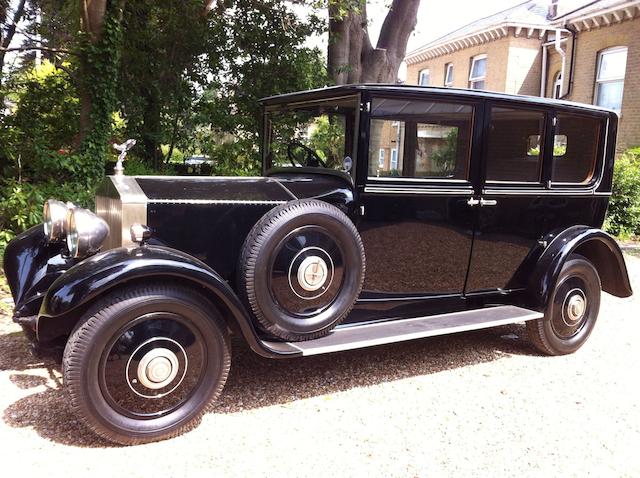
pixel 36 139
pixel 623 215
pixel 100 65
pixel 234 158
pixel 327 140
pixel 445 158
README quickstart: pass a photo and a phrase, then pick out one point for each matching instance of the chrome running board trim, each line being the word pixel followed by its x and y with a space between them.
pixel 353 336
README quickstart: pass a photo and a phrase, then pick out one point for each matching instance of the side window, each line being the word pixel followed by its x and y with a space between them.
pixel 575 148
pixel 422 139
pixel 514 151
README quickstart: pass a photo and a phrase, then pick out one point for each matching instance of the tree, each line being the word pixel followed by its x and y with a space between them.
pixel 351 56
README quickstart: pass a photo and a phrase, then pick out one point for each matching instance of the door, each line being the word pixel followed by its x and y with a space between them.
pixel 416 224
pixel 512 210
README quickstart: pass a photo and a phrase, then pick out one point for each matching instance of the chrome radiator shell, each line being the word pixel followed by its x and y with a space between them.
pixel 120 202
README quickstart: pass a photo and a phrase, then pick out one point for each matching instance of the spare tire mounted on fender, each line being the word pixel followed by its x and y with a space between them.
pixel 301 269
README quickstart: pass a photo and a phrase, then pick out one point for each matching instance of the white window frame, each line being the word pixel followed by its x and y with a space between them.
pixel 394 159
pixel 477 79
pixel 557 86
pixel 381 158
pixel 424 73
pixel 599 81
pixel 448 82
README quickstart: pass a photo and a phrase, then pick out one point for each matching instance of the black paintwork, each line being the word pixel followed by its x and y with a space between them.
pixel 427 250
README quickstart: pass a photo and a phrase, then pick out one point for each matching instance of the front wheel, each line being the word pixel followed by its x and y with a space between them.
pixel 572 311
pixel 144 364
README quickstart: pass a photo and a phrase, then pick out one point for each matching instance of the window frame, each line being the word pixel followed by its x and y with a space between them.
pixel 556 92
pixel 448 67
pixel 467 185
pixel 542 182
pixel 598 82
pixel 598 165
pixel 478 79
pixel 423 73
pixel 381 157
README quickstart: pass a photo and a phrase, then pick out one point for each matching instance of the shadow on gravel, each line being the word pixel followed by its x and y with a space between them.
pixel 255 382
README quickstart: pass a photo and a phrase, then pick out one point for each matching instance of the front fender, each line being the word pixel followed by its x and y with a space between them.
pixel 594 244
pixel 91 278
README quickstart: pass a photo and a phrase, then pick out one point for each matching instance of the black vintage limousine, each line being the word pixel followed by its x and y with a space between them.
pixel 384 214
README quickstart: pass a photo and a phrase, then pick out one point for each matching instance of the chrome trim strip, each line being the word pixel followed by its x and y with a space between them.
pixel 543 192
pixel 391 180
pixel 213 201
pixel 432 191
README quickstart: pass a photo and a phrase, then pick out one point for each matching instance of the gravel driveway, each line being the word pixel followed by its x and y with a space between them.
pixel 475 404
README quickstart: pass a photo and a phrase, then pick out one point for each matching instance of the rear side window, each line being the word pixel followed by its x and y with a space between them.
pixel 575 148
pixel 514 151
pixel 419 139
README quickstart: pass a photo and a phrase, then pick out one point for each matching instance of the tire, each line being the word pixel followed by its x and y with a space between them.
pixel 182 340
pixel 572 310
pixel 301 269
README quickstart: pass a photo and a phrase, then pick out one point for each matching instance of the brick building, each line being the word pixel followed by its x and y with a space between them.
pixel 578 50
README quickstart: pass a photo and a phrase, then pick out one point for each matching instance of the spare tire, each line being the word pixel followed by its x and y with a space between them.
pixel 301 269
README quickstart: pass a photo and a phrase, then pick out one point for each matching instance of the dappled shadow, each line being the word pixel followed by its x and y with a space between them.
pixel 256 382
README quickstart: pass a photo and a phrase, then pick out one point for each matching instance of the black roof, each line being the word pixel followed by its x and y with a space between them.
pixel 342 90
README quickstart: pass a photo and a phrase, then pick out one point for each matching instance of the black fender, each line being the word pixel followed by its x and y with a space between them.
pixel 595 245
pixel 31 264
pixel 81 285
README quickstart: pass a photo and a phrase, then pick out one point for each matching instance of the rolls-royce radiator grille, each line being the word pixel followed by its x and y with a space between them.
pixel 110 209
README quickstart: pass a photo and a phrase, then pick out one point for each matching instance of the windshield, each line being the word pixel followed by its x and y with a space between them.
pixel 315 134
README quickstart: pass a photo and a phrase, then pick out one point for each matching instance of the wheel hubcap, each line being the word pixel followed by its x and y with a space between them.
pixel 312 273
pixel 575 306
pixel 158 368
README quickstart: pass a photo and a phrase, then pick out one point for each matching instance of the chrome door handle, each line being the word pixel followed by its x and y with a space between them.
pixel 473 202
pixel 488 202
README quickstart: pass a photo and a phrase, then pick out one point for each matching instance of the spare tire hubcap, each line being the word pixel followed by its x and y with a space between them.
pixel 312 273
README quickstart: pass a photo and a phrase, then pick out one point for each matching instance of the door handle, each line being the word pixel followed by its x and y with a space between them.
pixel 488 202
pixel 473 202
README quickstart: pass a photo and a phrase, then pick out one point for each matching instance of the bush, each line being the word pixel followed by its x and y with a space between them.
pixel 623 216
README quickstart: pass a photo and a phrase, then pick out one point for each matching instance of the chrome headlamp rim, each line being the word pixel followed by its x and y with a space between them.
pixel 86 232
pixel 55 219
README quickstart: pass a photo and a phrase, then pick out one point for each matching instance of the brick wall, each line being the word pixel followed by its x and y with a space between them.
pixel 513 66
pixel 588 45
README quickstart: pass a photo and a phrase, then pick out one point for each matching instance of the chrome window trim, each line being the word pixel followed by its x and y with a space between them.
pixel 424 191
pixel 543 192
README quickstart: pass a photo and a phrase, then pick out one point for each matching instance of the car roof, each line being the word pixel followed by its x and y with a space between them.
pixel 342 90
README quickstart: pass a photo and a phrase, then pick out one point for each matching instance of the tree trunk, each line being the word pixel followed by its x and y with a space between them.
pixel 7 32
pixel 92 14
pixel 351 57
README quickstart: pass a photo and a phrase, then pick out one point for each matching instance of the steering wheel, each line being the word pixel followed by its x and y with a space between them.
pixel 311 158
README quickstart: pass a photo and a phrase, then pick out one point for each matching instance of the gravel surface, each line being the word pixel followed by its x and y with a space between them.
pixel 474 404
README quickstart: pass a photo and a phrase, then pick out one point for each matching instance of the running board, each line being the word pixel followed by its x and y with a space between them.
pixel 353 336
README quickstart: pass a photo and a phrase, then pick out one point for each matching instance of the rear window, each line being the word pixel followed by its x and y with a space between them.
pixel 575 148
pixel 514 152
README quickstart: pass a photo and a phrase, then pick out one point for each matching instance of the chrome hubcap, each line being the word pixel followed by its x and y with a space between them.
pixel 312 273
pixel 575 307
pixel 158 368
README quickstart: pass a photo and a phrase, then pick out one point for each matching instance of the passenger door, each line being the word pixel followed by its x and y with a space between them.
pixel 511 210
pixel 540 172
pixel 416 224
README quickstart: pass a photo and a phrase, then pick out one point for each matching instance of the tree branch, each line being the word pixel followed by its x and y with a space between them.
pixel 42 48
pixel 17 16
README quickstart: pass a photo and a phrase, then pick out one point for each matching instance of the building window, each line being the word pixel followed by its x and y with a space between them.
pixel 381 158
pixel 448 74
pixel 557 85
pixel 612 64
pixel 423 78
pixel 394 159
pixel 478 72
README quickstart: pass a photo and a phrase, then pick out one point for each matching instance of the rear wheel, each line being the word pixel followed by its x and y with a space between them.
pixel 572 311
pixel 144 365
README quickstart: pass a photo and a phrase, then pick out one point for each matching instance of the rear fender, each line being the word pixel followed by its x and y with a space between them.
pixel 595 245
pixel 81 285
